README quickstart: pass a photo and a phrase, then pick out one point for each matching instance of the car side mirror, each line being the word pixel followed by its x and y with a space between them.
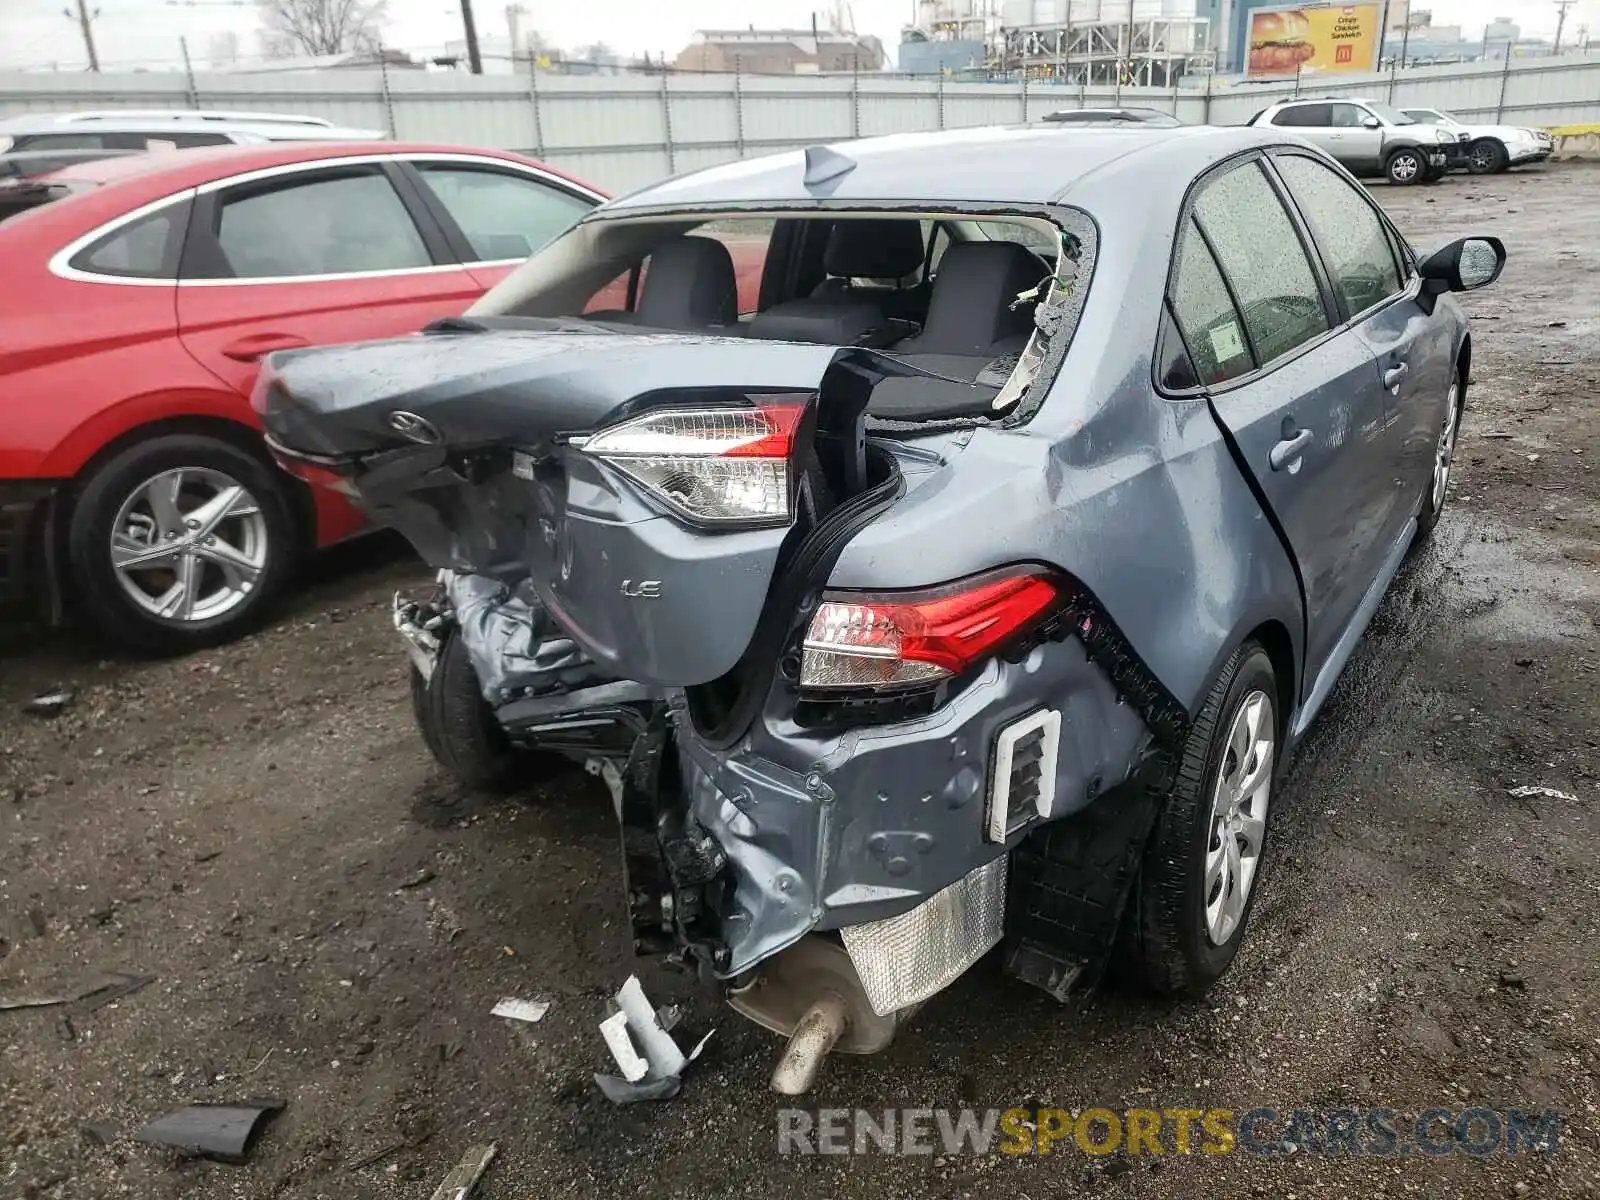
pixel 1463 265
pixel 1371 123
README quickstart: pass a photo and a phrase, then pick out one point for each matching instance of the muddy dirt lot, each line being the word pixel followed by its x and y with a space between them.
pixel 330 921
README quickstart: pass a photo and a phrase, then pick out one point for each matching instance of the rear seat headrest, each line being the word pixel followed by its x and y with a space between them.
pixel 970 309
pixel 689 284
pixel 880 248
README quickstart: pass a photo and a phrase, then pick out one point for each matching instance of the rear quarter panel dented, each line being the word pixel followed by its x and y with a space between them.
pixel 1135 496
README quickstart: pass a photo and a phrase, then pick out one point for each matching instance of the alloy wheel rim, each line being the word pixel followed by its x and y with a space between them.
pixel 1405 167
pixel 1483 158
pixel 189 545
pixel 1239 816
pixel 1446 452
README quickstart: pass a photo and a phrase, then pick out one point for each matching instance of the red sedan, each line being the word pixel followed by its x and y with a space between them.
pixel 134 486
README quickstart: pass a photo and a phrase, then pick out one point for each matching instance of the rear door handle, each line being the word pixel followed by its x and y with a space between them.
pixel 1286 454
pixel 252 347
pixel 1393 376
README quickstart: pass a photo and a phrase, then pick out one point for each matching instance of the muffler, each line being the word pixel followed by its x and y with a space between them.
pixel 811 994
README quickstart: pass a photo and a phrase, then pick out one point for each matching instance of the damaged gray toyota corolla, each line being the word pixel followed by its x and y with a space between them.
pixel 967 583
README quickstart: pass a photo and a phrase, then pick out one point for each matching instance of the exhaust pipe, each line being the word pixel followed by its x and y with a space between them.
pixel 818 1031
pixel 811 994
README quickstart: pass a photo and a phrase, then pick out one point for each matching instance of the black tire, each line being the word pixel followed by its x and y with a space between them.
pixel 460 728
pixel 1173 951
pixel 1405 167
pixel 94 588
pixel 1487 156
pixel 1432 507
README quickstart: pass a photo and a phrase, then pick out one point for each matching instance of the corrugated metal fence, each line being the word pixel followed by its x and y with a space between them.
pixel 626 130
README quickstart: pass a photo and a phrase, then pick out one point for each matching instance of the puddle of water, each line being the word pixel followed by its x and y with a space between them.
pixel 1517 584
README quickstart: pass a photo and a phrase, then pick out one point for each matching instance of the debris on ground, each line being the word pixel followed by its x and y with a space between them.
pixel 425 875
pixel 464 1176
pixel 94 993
pixel 513 1009
pixel 50 704
pixel 374 1157
pixel 99 1133
pixel 1550 793
pixel 651 1063
pixel 224 1132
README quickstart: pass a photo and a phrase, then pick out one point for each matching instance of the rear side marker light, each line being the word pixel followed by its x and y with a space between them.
pixel 1024 773
pixel 891 640
pixel 714 465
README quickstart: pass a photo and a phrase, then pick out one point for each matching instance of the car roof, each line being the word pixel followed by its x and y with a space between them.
pixel 994 165
pixel 166 118
pixel 174 170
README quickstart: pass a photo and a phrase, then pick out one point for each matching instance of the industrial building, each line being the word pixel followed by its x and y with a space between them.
pixel 1149 42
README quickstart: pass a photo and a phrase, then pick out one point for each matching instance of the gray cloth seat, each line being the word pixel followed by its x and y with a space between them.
pixel 883 251
pixel 689 284
pixel 970 325
pixel 970 314
pixel 842 311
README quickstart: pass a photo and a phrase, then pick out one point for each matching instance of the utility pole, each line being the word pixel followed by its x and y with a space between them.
pixel 84 17
pixel 474 59
pixel 1561 22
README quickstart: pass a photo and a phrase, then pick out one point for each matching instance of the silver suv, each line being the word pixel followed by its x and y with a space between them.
pixel 1369 137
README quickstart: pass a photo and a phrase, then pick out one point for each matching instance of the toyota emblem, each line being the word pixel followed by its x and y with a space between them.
pixel 418 429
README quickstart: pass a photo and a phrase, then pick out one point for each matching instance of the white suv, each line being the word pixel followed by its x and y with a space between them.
pixel 1490 148
pixel 40 142
pixel 1370 138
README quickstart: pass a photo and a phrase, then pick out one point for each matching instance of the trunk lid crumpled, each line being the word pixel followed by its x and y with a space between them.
pixel 470 444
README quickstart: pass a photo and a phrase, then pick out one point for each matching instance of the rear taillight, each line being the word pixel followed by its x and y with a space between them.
pixel 897 640
pixel 714 465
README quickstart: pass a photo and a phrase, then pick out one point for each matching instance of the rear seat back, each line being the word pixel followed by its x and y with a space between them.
pixel 970 313
pixel 884 250
pixel 689 284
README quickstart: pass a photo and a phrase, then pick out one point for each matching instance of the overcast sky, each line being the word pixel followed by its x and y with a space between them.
pixel 36 33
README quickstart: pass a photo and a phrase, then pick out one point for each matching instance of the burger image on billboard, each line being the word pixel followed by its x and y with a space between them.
pixel 1278 42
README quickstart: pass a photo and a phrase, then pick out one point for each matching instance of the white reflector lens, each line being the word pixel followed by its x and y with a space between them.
pixel 724 465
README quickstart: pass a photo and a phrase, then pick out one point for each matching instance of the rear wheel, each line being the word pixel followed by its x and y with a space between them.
pixel 1197 886
pixel 1405 167
pixel 460 728
pixel 1487 157
pixel 179 542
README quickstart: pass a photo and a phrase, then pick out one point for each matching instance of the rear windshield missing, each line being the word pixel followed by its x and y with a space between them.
pixel 974 298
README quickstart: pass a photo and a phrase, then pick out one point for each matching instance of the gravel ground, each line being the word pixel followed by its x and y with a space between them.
pixel 329 920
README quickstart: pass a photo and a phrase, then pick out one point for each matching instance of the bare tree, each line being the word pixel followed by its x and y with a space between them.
pixel 290 28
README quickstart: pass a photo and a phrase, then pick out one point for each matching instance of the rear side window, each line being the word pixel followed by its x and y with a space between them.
pixel 1211 326
pixel 1355 245
pixel 329 225
pixel 1303 114
pixel 502 215
pixel 145 249
pixel 176 139
pixel 60 141
pixel 1260 254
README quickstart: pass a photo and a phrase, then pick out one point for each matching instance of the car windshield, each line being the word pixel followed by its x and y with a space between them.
pixel 1390 114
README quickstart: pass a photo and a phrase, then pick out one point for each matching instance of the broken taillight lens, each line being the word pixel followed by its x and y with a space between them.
pixel 714 465
pixel 902 639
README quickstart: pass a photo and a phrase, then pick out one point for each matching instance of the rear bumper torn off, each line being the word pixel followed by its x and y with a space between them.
pixel 866 827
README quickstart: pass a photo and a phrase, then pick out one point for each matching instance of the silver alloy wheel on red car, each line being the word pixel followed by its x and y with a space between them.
pixel 189 544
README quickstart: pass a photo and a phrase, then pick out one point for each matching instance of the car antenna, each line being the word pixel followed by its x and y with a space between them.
pixel 823 164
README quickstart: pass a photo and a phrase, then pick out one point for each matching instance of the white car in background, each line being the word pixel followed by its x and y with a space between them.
pixel 1490 148
pixel 36 143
